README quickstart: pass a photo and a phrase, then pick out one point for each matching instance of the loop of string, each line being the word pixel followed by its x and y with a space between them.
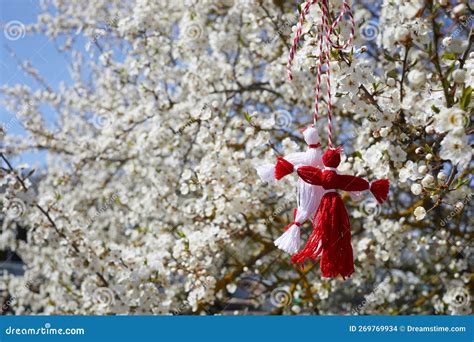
pixel 325 44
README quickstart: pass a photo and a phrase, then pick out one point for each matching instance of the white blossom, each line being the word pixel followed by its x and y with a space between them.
pixel 419 213
pixel 416 189
pixel 150 146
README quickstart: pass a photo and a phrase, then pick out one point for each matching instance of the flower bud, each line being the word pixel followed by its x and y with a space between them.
pixel 419 213
pixel 459 9
pixel 429 129
pixel 402 34
pixel 447 41
pixel 442 176
pixel 416 77
pixel 384 132
pixel 459 206
pixel 391 82
pixel 459 75
pixel 416 189
pixel 427 181
pixel 423 169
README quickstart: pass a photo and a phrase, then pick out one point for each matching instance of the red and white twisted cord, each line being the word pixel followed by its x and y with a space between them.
pixel 296 40
pixel 325 44
pixel 345 9
pixel 328 68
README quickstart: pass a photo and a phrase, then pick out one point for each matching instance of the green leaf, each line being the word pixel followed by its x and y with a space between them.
pixel 389 58
pixel 435 109
pixel 449 56
pixel 247 116
pixel 393 73
pixel 142 229
pixel 465 98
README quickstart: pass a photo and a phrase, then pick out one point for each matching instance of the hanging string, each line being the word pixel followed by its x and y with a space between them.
pixel 325 44
pixel 296 40
pixel 324 60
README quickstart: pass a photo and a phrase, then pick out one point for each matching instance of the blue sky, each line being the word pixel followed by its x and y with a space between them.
pixel 38 49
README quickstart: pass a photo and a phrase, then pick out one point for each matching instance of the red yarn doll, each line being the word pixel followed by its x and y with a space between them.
pixel 331 236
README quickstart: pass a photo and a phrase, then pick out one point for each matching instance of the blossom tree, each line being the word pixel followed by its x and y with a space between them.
pixel 150 203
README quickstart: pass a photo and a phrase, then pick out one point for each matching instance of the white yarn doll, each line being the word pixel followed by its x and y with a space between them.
pixel 308 196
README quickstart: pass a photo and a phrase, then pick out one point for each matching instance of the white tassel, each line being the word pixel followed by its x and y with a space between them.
pixel 309 195
pixel 296 158
pixel 266 172
pixel 311 135
pixel 290 240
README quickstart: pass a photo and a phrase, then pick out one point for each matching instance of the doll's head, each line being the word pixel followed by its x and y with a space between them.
pixel 311 135
pixel 332 157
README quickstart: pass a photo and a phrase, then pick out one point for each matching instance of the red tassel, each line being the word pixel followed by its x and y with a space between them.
pixel 380 189
pixel 282 168
pixel 331 238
